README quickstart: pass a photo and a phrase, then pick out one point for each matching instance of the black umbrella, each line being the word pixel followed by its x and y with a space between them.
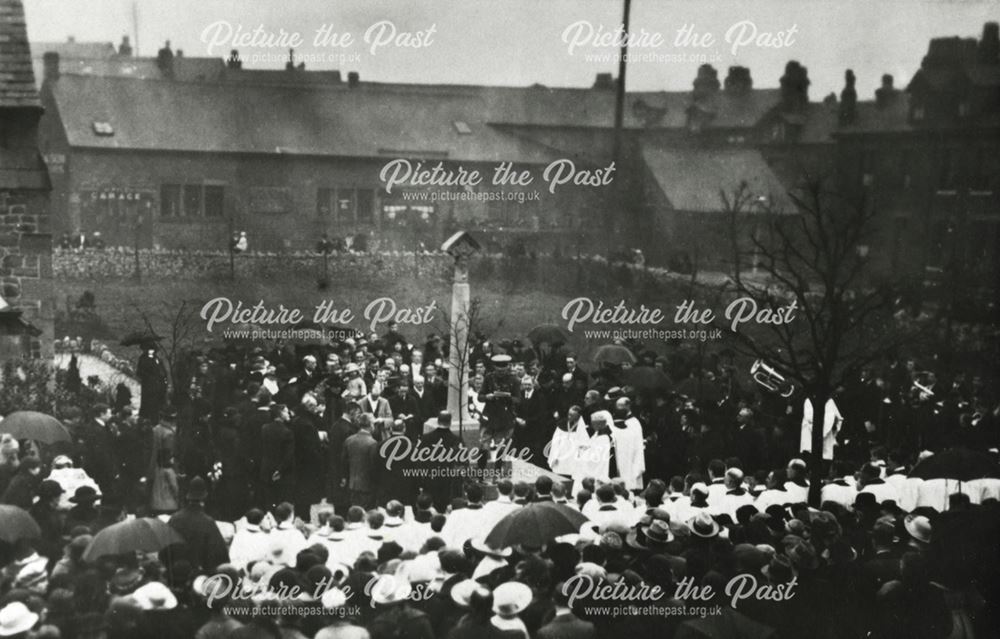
pixel 17 524
pixel 700 389
pixel 138 338
pixel 29 424
pixel 146 534
pixel 547 333
pixel 646 378
pixel 614 354
pixel 961 464
pixel 535 525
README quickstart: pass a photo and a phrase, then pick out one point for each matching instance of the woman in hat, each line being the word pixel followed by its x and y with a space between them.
pixel 509 601
pixel 16 620
pixel 475 623
pixel 395 617
pixel 84 511
pixel 45 511
pixel 21 489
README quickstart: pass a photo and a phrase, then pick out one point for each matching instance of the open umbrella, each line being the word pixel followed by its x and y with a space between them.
pixel 547 333
pixel 138 338
pixel 17 524
pixel 29 424
pixel 700 389
pixel 535 525
pixel 646 378
pixel 146 534
pixel 614 354
pixel 957 463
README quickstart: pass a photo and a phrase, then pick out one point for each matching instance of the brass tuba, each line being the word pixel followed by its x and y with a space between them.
pixel 771 379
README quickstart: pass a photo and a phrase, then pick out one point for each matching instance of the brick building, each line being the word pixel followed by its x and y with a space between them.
pixel 928 160
pixel 179 152
pixel 26 307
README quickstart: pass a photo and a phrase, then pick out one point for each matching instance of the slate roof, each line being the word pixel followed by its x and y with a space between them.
pixel 691 179
pixel 208 117
pixel 17 80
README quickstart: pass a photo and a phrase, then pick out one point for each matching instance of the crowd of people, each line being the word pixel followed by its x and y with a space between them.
pixel 273 466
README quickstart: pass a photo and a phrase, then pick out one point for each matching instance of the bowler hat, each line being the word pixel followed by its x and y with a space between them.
pixel 85 495
pixel 197 490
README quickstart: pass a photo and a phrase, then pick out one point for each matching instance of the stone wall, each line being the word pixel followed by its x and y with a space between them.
pixel 584 275
pixel 26 262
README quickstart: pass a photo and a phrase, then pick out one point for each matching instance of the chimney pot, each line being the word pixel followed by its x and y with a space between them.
pixel 50 68
pixel 604 82
pixel 795 87
pixel 706 82
pixel 738 80
pixel 848 99
pixel 886 93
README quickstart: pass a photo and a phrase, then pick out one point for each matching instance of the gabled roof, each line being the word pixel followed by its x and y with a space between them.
pixel 186 69
pixel 168 115
pixel 582 107
pixel 692 179
pixel 71 49
pixel 17 80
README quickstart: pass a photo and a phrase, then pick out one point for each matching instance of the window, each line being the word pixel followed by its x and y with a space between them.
pixel 103 128
pixel 366 206
pixel 192 200
pixel 347 206
pixel 214 200
pixel 170 200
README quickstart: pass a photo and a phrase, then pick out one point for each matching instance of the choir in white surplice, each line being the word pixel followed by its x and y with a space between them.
pixel 607 449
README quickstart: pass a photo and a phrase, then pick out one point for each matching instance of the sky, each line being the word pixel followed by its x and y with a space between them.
pixel 551 42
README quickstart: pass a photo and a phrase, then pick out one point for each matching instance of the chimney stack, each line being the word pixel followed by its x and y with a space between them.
pixel 125 48
pixel 848 99
pixel 165 60
pixel 989 45
pixel 795 87
pixel 604 82
pixel 353 79
pixel 233 61
pixel 738 81
pixel 706 83
pixel 885 93
pixel 50 68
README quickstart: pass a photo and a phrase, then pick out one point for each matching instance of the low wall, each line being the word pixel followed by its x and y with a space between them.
pixel 587 274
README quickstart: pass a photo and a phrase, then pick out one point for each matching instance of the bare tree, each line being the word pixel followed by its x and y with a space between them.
pixel 816 258
pixel 465 328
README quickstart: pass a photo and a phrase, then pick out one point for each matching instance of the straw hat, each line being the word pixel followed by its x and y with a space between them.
pixel 388 590
pixel 155 596
pixel 16 618
pixel 511 598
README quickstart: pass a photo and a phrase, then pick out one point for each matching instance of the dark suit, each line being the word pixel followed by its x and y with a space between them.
pixel 567 626
pixel 439 482
pixel 408 405
pixel 536 431
pixel 98 444
pixel 427 405
pixel 309 463
pixel 202 538
pixel 277 445
pixel 438 390
pixel 340 430
pixel 361 468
